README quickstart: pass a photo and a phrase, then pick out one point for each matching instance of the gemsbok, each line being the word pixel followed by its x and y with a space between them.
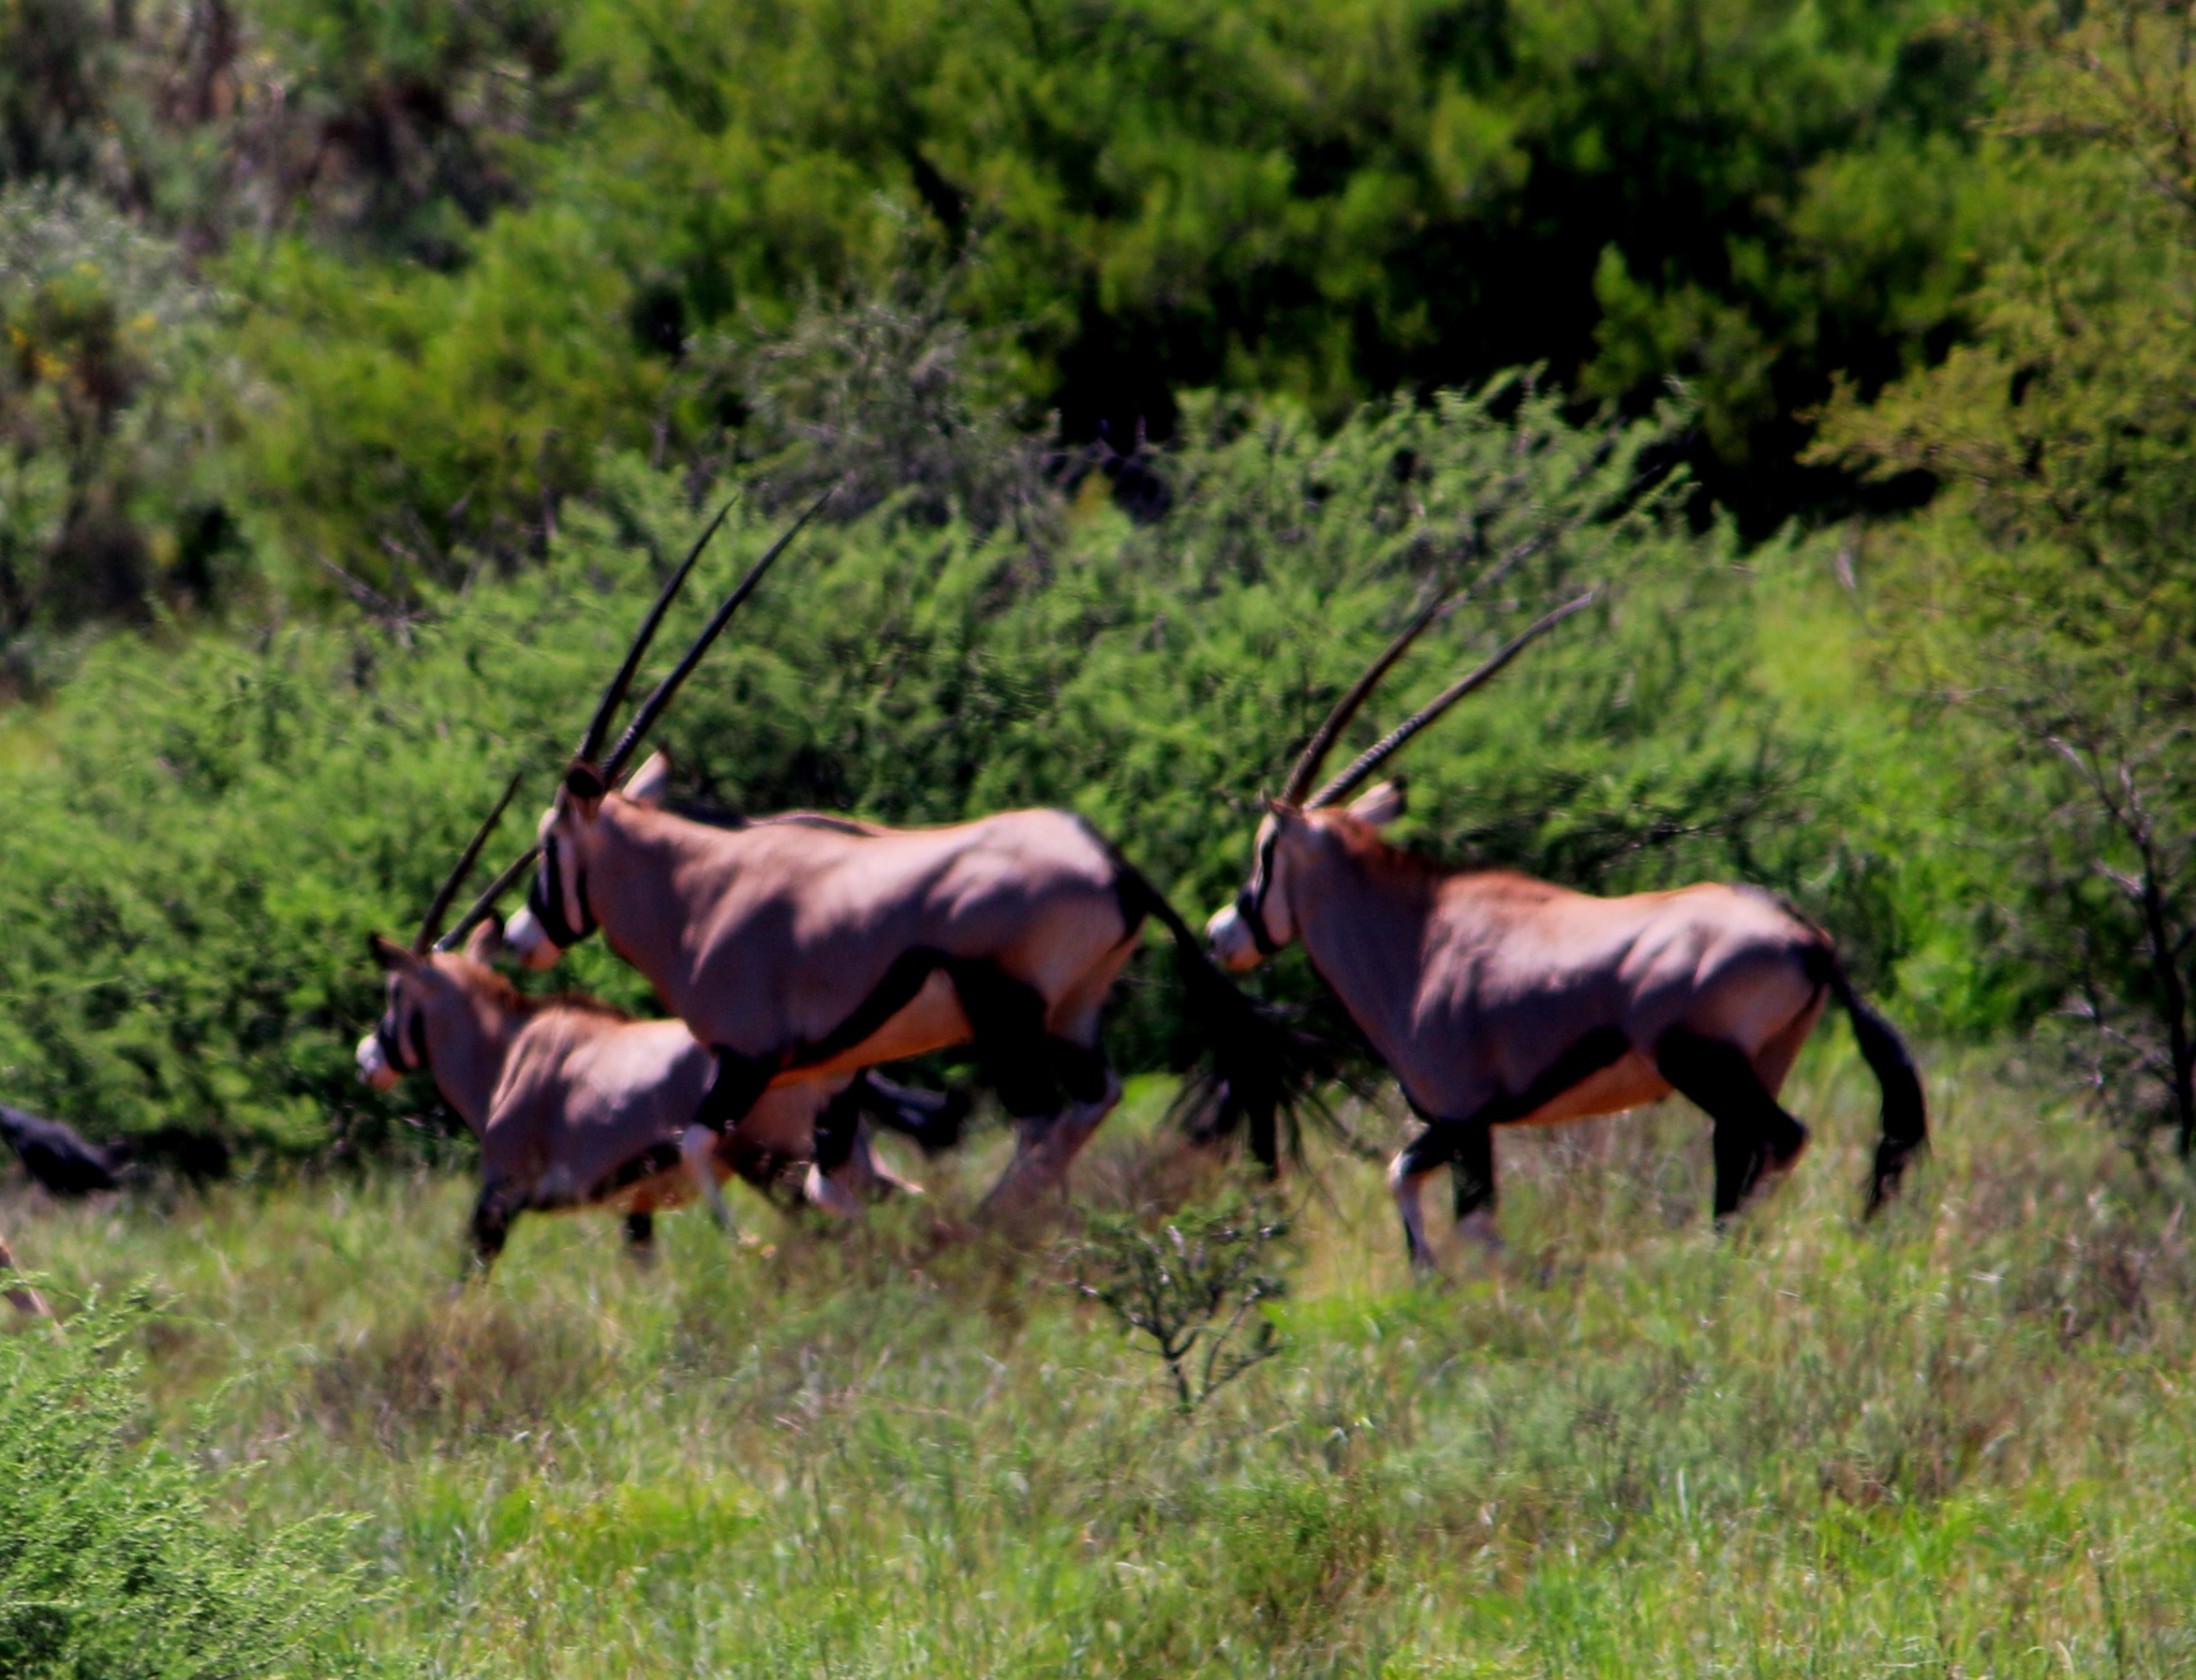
pixel 576 1104
pixel 1496 999
pixel 804 946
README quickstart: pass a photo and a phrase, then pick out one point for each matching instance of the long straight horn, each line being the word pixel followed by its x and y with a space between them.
pixel 1322 741
pixel 486 902
pixel 465 866
pixel 613 697
pixel 652 707
pixel 1376 755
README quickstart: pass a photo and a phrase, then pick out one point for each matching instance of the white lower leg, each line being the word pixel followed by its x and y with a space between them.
pixel 1408 1188
pixel 697 1149
pixel 1047 1147
pixel 870 1175
pixel 825 1194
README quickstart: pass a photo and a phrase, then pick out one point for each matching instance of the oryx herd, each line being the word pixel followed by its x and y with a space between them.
pixel 795 954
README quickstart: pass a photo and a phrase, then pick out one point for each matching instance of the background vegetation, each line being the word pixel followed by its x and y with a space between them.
pixel 361 368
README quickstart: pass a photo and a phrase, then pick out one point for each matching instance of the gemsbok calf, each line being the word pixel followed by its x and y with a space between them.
pixel 576 1104
pixel 1499 1000
pixel 805 947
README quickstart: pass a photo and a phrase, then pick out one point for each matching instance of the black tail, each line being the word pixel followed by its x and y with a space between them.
pixel 1906 1117
pixel 1264 1075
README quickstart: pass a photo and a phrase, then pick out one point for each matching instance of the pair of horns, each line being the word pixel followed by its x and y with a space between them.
pixel 426 940
pixel 654 706
pixel 486 902
pixel 599 725
pixel 1380 751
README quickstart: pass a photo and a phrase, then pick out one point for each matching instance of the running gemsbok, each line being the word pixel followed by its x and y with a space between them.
pixel 1496 999
pixel 576 1104
pixel 805 945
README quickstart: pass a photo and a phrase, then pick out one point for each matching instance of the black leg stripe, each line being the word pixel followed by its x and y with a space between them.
pixel 660 1156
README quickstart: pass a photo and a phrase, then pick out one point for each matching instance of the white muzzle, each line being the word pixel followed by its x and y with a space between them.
pixel 1230 938
pixel 523 938
pixel 374 1067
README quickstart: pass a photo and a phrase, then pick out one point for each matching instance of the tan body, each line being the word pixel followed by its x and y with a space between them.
pixel 1509 970
pixel 1500 1000
pixel 576 1105
pixel 795 922
pixel 807 947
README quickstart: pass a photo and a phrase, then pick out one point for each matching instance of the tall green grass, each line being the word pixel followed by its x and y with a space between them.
pixel 1956 1441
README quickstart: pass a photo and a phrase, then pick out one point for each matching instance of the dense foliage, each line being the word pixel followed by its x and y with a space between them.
pixel 113 1563
pixel 453 251
pixel 399 338
pixel 2047 601
pixel 193 866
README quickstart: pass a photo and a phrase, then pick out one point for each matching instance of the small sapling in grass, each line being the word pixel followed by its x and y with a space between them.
pixel 1194 1286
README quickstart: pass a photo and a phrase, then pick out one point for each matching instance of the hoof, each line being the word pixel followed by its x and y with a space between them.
pixel 1774 1170
pixel 827 1196
pixel 1479 1228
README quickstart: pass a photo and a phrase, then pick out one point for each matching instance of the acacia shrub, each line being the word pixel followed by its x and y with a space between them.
pixel 112 1560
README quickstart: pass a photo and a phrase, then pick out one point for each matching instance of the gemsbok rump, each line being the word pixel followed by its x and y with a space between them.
pixel 805 947
pixel 576 1104
pixel 1498 999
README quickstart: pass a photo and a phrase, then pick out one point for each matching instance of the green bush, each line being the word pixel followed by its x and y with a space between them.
pixel 1327 200
pixel 2041 607
pixel 479 243
pixel 114 1563
pixel 188 877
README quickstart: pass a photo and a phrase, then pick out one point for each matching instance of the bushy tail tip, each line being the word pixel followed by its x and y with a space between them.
pixel 1905 1115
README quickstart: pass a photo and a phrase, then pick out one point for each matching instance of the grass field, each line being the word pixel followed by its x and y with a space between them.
pixel 1958 1442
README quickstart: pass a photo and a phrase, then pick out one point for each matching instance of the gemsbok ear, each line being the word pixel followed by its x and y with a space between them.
pixel 486 942
pixel 1380 804
pixel 389 954
pixel 651 783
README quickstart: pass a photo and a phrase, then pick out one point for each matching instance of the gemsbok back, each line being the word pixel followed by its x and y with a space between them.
pixel 1499 1000
pixel 576 1104
pixel 805 947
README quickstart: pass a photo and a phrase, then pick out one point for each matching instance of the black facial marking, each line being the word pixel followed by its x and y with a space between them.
pixel 402 1035
pixel 1251 902
pixel 545 899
